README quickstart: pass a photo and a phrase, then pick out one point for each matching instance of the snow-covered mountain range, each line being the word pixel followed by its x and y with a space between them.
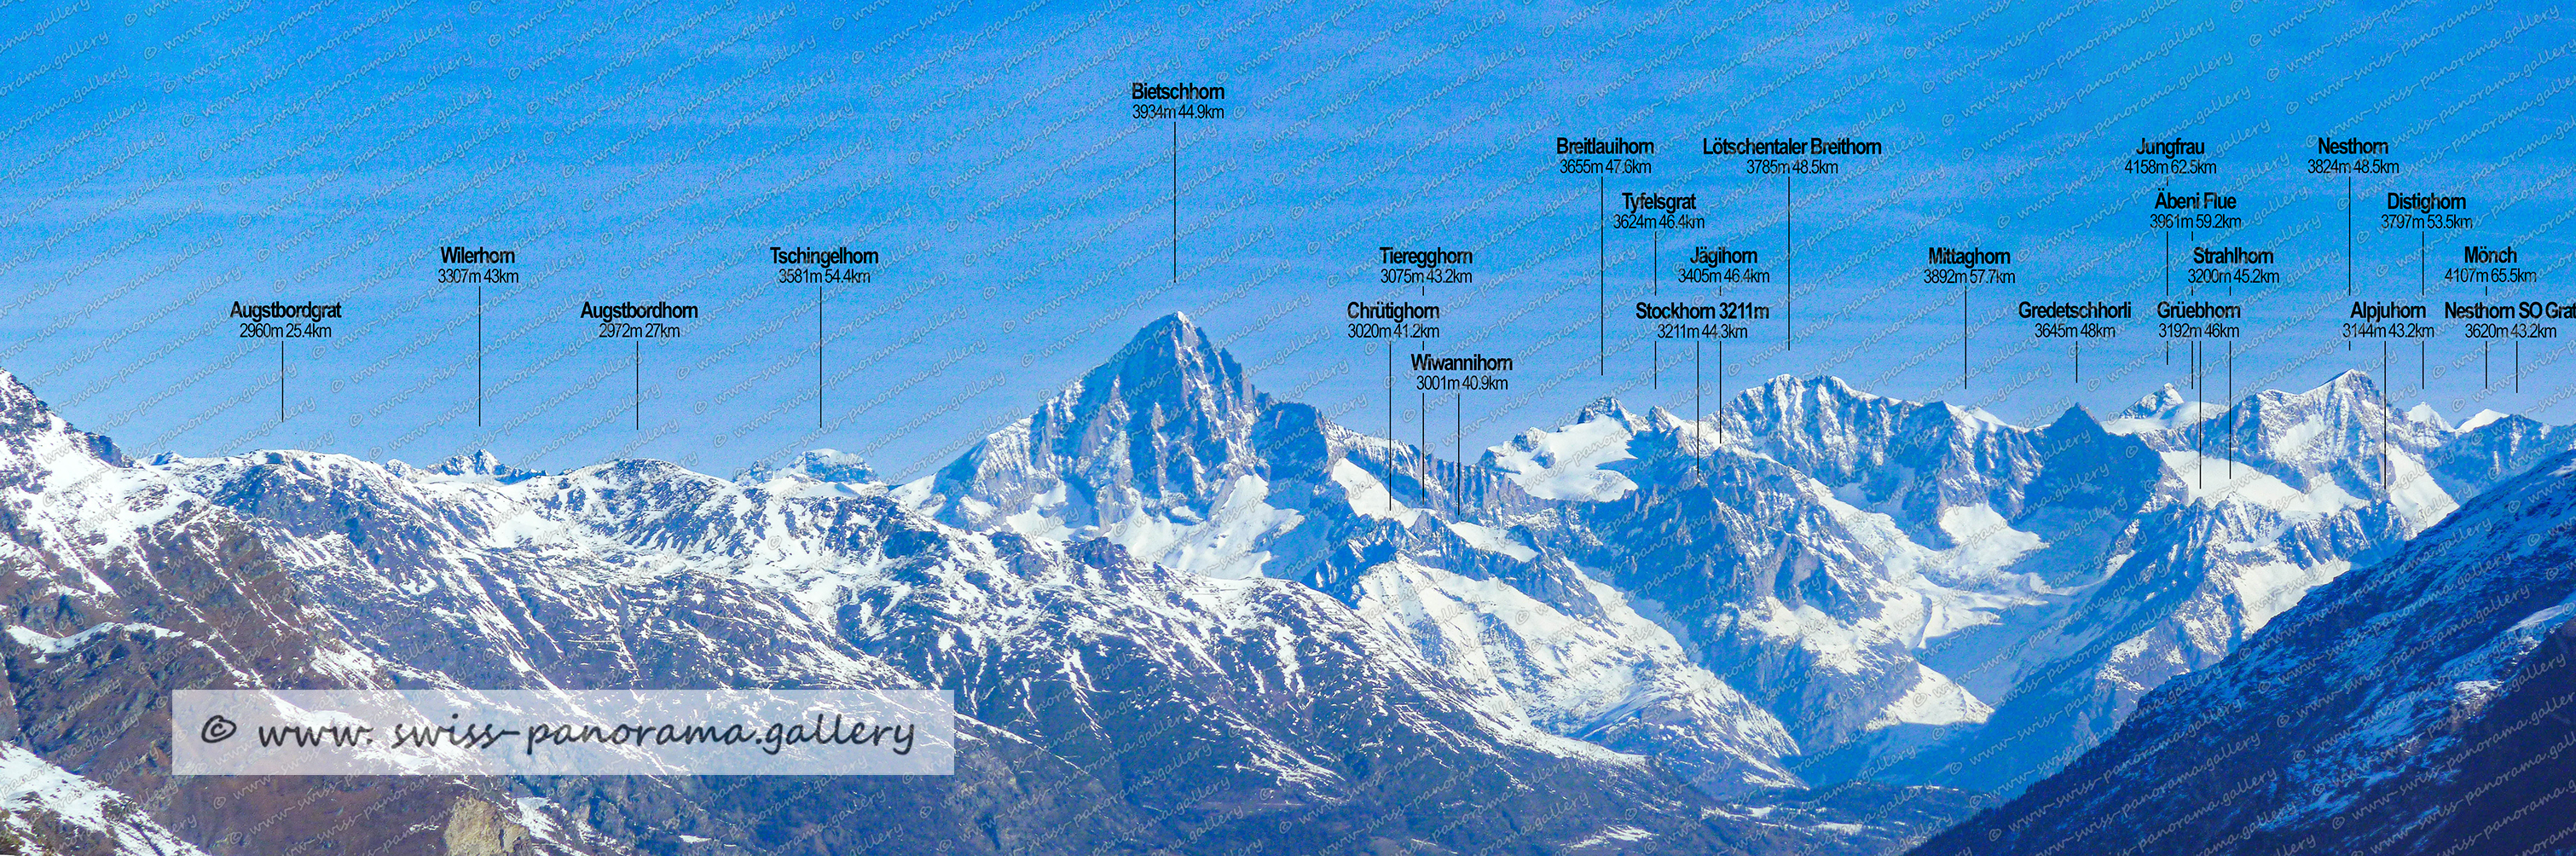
pixel 1815 584
pixel 1182 615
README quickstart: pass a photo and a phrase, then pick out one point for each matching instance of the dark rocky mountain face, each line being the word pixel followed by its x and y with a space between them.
pixel 1167 422
pixel 117 590
pixel 2414 706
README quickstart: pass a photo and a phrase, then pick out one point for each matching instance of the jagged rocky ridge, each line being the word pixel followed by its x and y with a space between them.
pixel 2416 706
pixel 1181 614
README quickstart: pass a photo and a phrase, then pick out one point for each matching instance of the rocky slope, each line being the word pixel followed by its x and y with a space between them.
pixel 2415 706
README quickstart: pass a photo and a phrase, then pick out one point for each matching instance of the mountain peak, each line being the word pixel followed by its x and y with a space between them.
pixel 2349 396
pixel 2350 382
pixel 1165 425
pixel 827 465
pixel 1821 387
pixel 1169 334
pixel 2162 409
pixel 2077 417
pixel 2481 420
pixel 2156 405
pixel 1603 407
pixel 1169 360
pixel 23 414
pixel 481 462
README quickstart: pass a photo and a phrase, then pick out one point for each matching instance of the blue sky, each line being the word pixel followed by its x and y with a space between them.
pixel 165 161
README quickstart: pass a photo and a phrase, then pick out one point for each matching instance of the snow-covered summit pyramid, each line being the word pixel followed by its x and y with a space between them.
pixel 2166 408
pixel 1161 429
